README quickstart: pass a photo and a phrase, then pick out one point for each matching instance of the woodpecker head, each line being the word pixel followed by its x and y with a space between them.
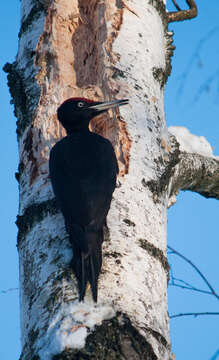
pixel 76 113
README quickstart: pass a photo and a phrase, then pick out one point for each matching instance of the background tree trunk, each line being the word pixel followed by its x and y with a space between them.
pixel 101 50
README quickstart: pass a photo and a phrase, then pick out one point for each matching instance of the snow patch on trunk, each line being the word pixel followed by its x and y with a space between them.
pixel 71 325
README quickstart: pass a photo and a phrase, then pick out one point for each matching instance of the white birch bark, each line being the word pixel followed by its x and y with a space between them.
pixel 100 50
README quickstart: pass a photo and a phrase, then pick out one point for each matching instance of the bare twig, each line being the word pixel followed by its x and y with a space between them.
pixel 215 356
pixel 176 5
pixel 196 57
pixel 8 290
pixel 193 314
pixel 186 285
pixel 212 291
pixel 205 87
pixel 181 15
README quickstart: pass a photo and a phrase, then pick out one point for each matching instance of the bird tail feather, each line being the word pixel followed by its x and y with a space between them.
pixel 87 258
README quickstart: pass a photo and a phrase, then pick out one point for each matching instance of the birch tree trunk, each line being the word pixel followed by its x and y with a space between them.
pixel 101 50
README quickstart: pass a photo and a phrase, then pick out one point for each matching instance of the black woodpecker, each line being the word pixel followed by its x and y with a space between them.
pixel 83 170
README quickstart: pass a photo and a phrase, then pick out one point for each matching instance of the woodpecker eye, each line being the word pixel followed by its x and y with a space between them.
pixel 80 104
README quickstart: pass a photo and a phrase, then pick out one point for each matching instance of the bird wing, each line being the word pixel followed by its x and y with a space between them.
pixel 83 169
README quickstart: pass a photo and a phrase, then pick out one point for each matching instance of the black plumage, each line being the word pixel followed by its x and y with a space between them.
pixel 83 170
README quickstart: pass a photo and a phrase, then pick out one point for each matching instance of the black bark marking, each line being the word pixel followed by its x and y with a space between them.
pixel 32 336
pixel 161 9
pixel 156 253
pixel 34 14
pixel 24 96
pixel 19 98
pixel 34 214
pixel 113 339
pixel 159 75
pixel 129 222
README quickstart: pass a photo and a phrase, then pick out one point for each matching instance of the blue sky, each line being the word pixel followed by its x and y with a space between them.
pixel 193 221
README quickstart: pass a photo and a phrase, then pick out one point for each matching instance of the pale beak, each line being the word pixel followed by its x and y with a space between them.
pixel 109 104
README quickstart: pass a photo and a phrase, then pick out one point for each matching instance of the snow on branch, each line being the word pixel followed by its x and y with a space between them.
pixel 191 143
pixel 197 169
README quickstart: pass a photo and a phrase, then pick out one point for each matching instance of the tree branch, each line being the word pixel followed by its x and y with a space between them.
pixel 181 15
pixel 197 169
pixel 8 290
pixel 184 285
pixel 215 356
pixel 176 5
pixel 197 173
pixel 196 58
pixel 193 314
pixel 188 286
